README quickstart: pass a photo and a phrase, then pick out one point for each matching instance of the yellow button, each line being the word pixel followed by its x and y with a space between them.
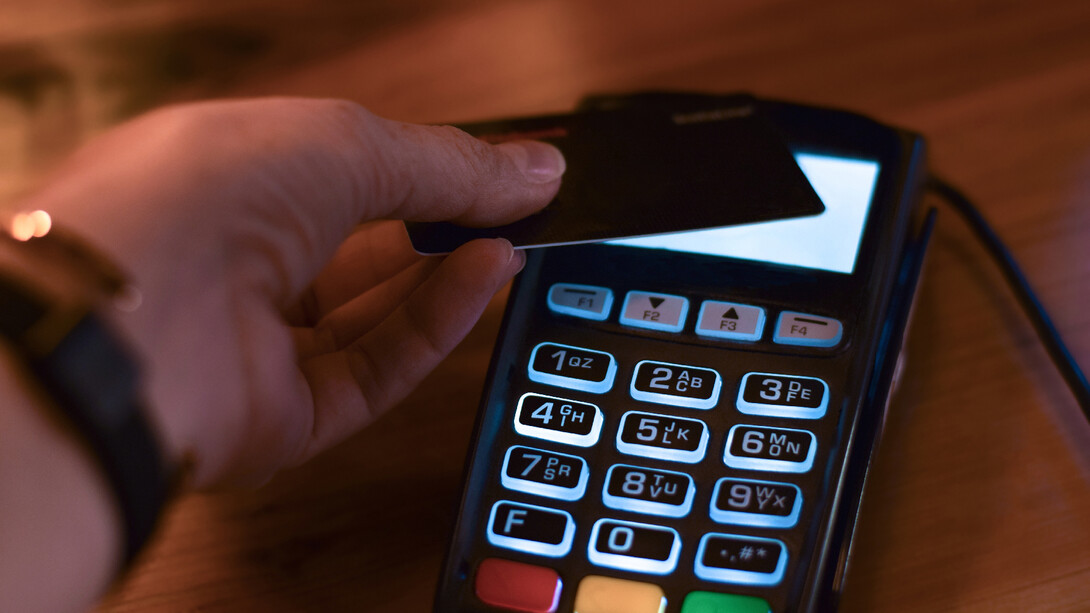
pixel 609 595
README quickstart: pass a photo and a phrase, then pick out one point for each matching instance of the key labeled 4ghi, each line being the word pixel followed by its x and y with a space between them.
pixel 558 419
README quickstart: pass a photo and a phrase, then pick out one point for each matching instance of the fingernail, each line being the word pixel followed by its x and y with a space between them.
pixel 516 257
pixel 539 162
pixel 519 257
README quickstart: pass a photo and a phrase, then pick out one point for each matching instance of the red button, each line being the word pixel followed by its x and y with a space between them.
pixel 517 586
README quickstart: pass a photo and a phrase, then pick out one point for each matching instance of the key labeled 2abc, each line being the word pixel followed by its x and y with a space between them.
pixel 778 395
pixel 676 384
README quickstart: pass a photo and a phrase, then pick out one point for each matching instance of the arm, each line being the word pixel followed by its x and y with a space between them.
pixel 275 322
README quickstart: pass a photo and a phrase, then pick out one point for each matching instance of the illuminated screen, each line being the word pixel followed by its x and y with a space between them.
pixel 829 241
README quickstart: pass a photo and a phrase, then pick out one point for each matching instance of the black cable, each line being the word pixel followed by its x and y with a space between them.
pixel 1032 306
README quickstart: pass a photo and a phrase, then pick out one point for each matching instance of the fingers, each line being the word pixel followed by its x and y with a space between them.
pixel 375 252
pixel 355 385
pixel 284 181
pixel 442 173
pixel 352 319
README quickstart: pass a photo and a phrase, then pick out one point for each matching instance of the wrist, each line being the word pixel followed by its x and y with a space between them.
pixel 59 525
pixel 49 303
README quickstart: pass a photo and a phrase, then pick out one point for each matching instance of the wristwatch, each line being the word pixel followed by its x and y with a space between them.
pixel 75 357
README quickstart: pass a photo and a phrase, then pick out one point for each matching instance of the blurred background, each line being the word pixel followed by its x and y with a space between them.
pixel 980 498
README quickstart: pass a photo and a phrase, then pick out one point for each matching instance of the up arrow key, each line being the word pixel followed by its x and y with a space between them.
pixel 730 314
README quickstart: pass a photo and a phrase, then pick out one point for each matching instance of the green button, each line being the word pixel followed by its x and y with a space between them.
pixel 709 602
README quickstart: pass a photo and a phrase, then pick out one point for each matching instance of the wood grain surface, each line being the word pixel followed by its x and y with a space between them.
pixel 980 499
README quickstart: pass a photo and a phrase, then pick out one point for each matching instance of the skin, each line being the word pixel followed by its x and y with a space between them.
pixel 282 309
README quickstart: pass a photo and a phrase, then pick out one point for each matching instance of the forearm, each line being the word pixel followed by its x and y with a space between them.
pixel 59 531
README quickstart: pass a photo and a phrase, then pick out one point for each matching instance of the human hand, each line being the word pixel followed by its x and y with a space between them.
pixel 272 325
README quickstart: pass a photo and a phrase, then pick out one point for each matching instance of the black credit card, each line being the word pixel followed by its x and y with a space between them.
pixel 640 171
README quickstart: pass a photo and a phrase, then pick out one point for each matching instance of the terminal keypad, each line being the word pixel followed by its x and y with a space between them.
pixel 755 428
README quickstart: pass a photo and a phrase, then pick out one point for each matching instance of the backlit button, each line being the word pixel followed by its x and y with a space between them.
pixel 776 449
pixel 763 504
pixel 609 595
pixel 586 301
pixel 775 395
pixel 545 473
pixel 807 330
pixel 572 367
pixel 730 320
pixel 747 560
pixel 627 545
pixel 558 419
pixel 516 586
pixel 530 528
pixel 676 384
pixel 648 490
pixel 663 437
pixel 654 311
pixel 710 602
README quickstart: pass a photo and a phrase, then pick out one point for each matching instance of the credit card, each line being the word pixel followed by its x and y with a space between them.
pixel 640 171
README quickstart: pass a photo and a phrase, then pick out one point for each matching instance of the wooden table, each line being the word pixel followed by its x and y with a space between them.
pixel 980 499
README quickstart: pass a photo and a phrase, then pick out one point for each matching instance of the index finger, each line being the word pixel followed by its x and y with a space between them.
pixel 292 177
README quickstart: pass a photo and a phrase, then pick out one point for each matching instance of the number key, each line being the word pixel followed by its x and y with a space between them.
pixel 661 436
pixel 776 449
pixel 776 395
pixel 632 546
pixel 676 384
pixel 764 504
pixel 648 490
pixel 572 367
pixel 558 419
pixel 545 473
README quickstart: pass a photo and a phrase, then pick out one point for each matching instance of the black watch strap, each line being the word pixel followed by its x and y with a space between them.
pixel 92 380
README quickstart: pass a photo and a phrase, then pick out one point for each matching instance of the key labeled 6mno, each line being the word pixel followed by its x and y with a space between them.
pixel 776 449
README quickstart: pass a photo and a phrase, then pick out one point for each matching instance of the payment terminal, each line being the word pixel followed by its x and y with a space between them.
pixel 683 423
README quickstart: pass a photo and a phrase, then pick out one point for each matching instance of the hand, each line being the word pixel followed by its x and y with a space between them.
pixel 272 324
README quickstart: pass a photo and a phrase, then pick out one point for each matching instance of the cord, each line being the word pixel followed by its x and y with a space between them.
pixel 1035 311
